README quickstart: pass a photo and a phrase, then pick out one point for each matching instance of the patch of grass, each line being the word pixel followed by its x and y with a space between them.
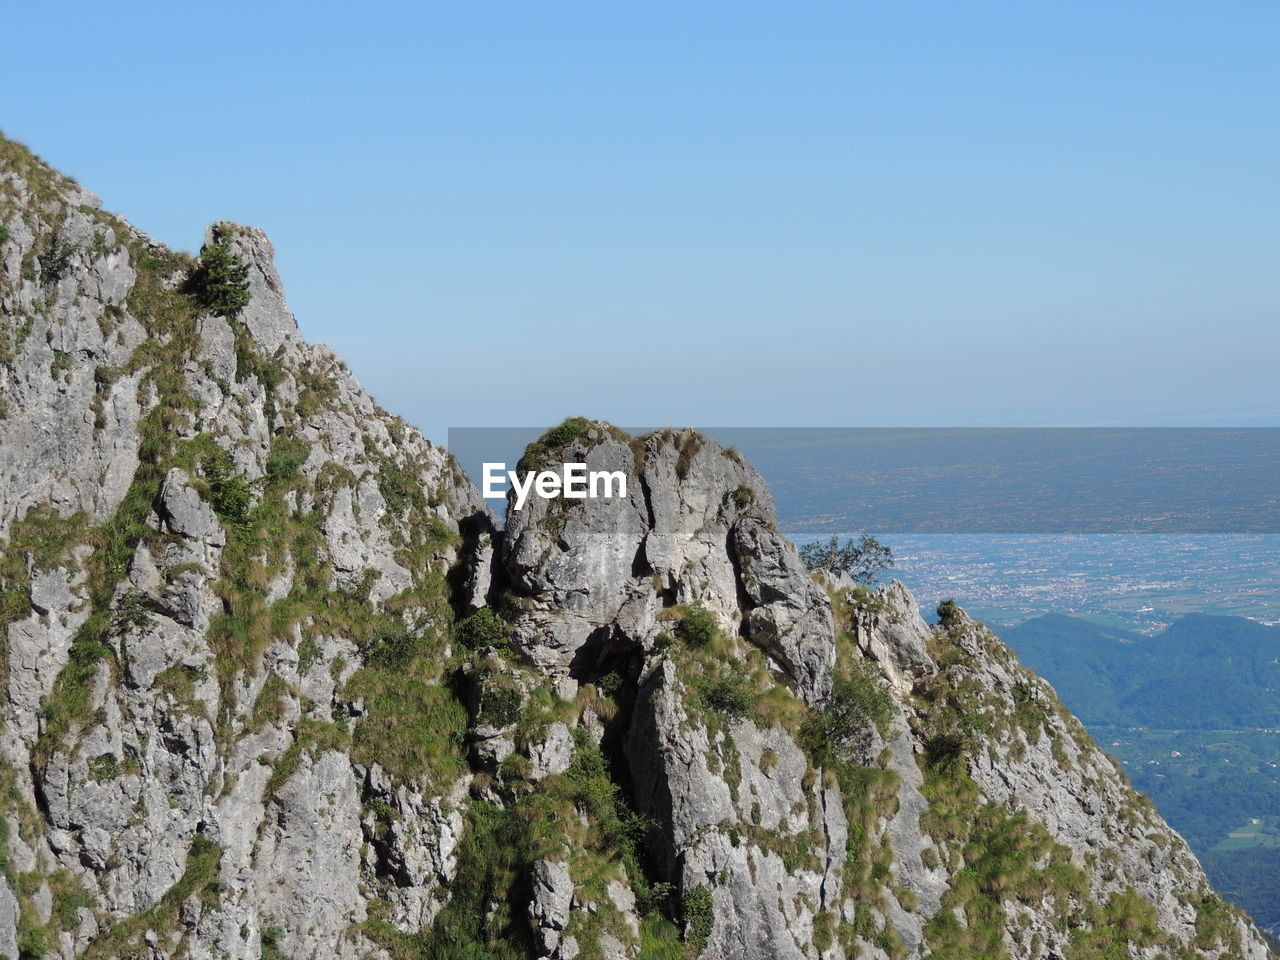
pixel 414 726
pixel 309 736
pixel 399 488
pixel 199 879
pixel 494 859
pixel 996 856
pixel 42 539
pixel 286 458
pixel 1030 713
pixel 487 914
pixel 688 443
pixel 178 682
pixel 567 431
pixel 539 454
pixel 251 363
pixel 1125 922
pixel 308 654
pixel 169 319
pixel 271 705
pixel 660 939
pixel 1215 924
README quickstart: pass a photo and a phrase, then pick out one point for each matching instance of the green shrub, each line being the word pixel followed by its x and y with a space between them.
pixel 948 747
pixel 537 455
pixel 287 455
pixel 33 944
pixel 860 700
pixel 698 912
pixel 611 684
pixel 697 627
pixel 308 653
pixel 132 611
pixel 272 938
pixel 732 690
pixel 947 611
pixel 230 494
pixel 396 648
pixel 104 767
pixel 484 628
pixel 571 429
pixel 486 916
pixel 500 703
pixel 220 281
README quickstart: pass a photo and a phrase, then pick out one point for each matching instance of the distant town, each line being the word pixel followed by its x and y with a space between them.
pixel 1141 582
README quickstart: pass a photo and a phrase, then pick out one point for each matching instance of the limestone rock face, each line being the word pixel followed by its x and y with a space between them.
pixel 589 577
pixel 195 510
pixel 275 685
pixel 67 439
pixel 552 897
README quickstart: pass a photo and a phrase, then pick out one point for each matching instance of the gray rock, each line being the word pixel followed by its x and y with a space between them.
pixel 549 907
pixel 697 523
pixel 552 754
pixel 184 513
pixel 267 317
pixel 8 922
pixel 893 632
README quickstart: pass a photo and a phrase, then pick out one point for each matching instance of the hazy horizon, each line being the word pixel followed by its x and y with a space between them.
pixel 826 216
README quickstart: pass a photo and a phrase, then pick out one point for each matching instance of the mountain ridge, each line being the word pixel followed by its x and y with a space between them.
pixel 275 686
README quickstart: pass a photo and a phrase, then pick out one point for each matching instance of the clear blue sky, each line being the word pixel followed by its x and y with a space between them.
pixel 713 213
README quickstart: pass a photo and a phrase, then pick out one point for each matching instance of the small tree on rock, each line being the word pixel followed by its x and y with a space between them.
pixel 221 280
pixel 863 559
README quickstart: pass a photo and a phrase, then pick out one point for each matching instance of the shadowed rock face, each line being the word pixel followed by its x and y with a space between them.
pixel 588 578
pixel 240 719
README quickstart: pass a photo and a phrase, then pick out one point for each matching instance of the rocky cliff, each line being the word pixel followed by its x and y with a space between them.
pixel 276 687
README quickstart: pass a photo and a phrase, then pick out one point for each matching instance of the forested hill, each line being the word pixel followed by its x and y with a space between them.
pixel 1203 672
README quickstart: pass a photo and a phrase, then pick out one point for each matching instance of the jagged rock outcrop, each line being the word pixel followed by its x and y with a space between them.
pixel 588 578
pixel 275 686
pixel 199 509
